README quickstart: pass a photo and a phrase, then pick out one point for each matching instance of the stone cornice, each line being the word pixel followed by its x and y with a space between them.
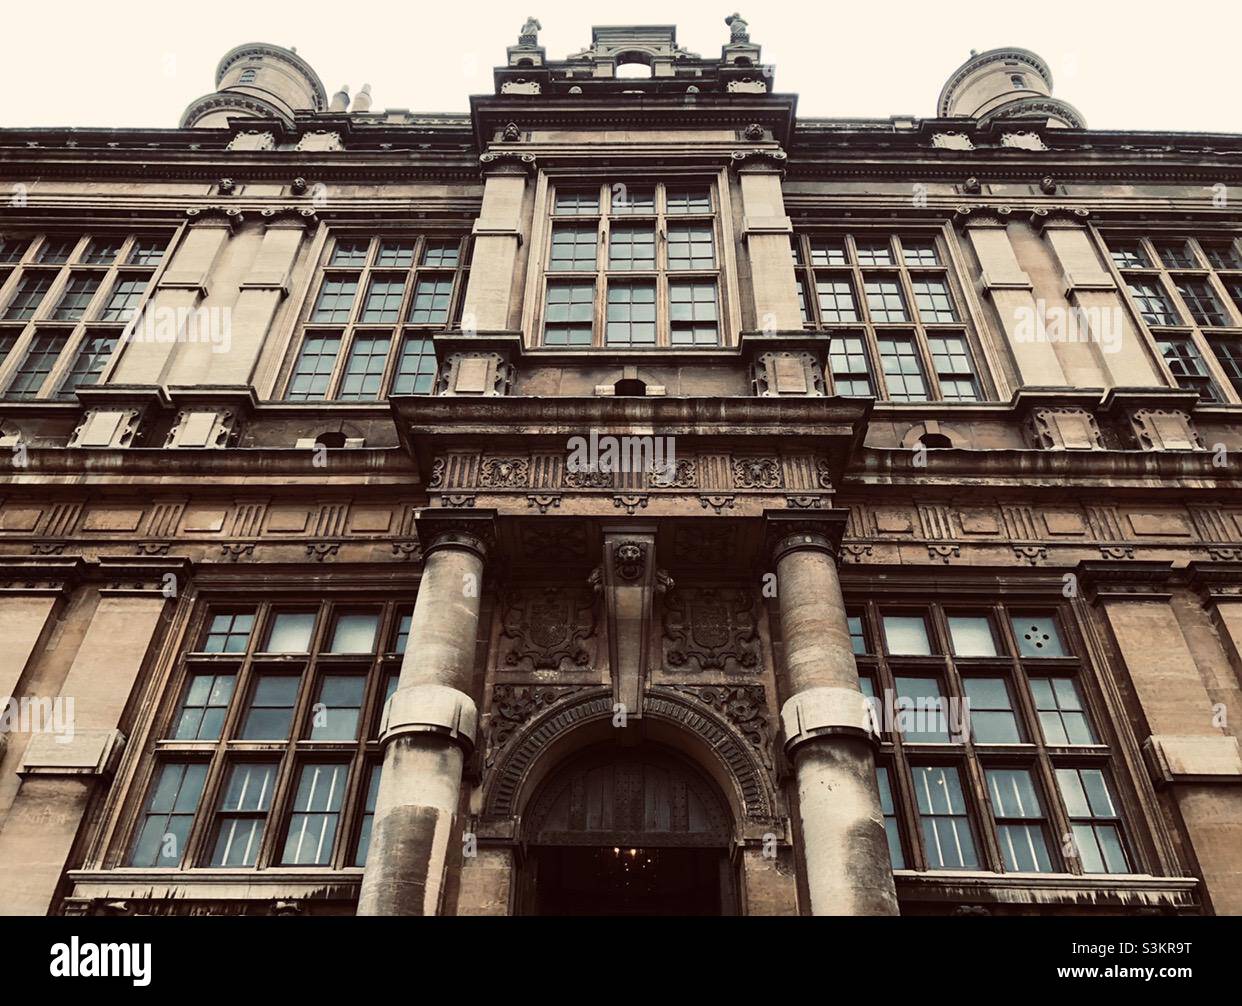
pixel 1217 581
pixel 1127 579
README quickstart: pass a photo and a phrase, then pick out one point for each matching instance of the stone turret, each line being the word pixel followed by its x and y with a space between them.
pixel 257 80
pixel 1008 83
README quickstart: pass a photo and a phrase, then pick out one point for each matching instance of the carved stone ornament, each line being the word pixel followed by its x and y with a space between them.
pixel 588 480
pixel 529 33
pixel 711 628
pixel 436 479
pixel 511 133
pixel 514 705
pixel 630 558
pixel 498 473
pixel 756 473
pixel 739 30
pixel 1054 429
pixel 744 707
pixel 519 160
pixel 753 132
pixel 545 627
pixel 1165 430
pixel 684 475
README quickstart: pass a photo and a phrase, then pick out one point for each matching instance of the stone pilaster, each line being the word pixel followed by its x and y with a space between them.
pixel 63 772
pixel 1012 294
pixel 490 305
pixel 430 722
pixel 828 733
pixel 229 339
pixel 1100 305
pixel 148 357
pixel 30 589
pixel 768 232
pixel 1188 752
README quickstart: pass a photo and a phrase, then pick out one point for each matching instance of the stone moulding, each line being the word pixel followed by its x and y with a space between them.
pixel 753 792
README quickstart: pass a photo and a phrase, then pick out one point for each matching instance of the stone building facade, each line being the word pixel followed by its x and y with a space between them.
pixel 581 503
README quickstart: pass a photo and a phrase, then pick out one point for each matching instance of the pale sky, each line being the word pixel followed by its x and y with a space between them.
pixel 139 63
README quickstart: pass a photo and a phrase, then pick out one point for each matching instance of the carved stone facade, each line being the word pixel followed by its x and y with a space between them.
pixel 814 475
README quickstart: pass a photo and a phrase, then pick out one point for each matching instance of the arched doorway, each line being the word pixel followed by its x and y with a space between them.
pixel 627 831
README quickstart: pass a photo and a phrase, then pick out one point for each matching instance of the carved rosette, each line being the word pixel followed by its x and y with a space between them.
pixel 547 627
pixel 711 629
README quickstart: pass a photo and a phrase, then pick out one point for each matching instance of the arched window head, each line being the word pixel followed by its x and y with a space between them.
pixel 332 439
pixel 1018 81
pixel 248 75
pixel 634 66
pixel 630 387
pixel 934 441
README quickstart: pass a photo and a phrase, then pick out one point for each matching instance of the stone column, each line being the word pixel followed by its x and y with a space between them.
pixel 828 733
pixel 429 724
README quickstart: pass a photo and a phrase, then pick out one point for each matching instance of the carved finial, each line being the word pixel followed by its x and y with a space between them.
pixel 529 35
pixel 737 29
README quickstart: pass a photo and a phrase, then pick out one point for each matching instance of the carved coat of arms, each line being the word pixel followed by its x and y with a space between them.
pixel 544 626
pixel 711 629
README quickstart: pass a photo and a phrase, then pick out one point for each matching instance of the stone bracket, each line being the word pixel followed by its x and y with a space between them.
pixel 1193 759
pixel 826 711
pixel 77 752
pixel 434 709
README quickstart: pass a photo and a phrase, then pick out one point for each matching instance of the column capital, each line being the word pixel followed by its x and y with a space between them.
pixel 466 529
pixel 507 162
pixel 785 532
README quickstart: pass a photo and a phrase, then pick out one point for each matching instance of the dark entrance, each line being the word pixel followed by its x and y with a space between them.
pixel 580 880
pixel 623 831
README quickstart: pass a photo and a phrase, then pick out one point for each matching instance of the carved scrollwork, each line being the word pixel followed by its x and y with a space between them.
pixel 745 707
pixel 684 475
pixel 588 480
pixel 514 705
pixel 498 473
pixel 545 627
pixel 711 628
pixel 756 473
